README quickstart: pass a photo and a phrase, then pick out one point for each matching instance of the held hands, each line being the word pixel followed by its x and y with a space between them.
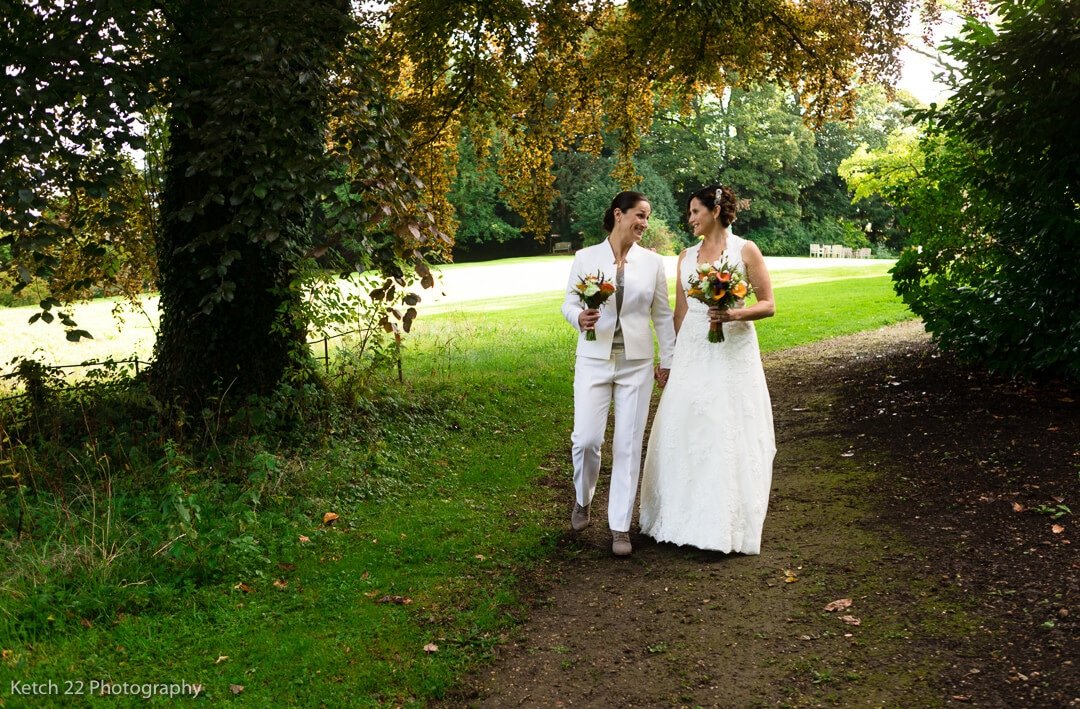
pixel 661 375
pixel 587 319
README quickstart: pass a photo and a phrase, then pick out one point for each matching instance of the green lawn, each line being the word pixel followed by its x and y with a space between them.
pixel 435 486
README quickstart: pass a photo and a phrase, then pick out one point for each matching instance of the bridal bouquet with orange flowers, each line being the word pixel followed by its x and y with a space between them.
pixel 594 289
pixel 719 285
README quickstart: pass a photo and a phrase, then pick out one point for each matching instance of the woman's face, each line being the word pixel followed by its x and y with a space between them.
pixel 635 220
pixel 700 218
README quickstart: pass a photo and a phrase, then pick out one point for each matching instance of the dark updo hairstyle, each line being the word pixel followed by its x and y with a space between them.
pixel 721 195
pixel 624 202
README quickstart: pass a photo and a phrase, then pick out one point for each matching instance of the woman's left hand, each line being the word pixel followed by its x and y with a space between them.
pixel 723 315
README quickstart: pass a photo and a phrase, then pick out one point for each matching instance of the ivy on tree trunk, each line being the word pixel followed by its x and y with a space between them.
pixel 246 142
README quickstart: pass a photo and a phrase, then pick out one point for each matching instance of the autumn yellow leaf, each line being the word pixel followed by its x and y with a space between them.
pixel 850 620
pixel 236 688
pixel 1017 507
pixel 221 658
pixel 431 647
pixel 1057 529
pixel 304 540
pixel 329 518
pixel 278 583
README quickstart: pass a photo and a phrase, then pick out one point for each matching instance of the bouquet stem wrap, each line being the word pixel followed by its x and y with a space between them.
pixel 716 332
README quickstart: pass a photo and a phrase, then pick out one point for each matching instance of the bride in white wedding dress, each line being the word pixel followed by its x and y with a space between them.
pixel 708 469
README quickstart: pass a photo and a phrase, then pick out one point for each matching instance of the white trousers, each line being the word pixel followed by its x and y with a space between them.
pixel 596 383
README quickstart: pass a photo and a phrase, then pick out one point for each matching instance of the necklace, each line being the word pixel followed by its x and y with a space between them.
pixel 719 252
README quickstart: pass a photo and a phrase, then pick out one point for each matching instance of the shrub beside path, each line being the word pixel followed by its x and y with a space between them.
pixel 675 626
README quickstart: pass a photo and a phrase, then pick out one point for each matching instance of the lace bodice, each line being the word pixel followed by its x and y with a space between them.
pixel 740 345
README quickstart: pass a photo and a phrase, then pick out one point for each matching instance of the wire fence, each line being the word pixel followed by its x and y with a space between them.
pixel 138 364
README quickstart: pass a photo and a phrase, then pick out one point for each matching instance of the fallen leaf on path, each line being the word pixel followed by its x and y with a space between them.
pixel 838 605
pixel 847 455
pixel 479 557
pixel 329 518
pixel 789 576
pixel 236 688
pixel 431 647
pixel 396 600
pixel 1017 507
pixel 221 658
pixel 278 583
pixel 1057 529
pixel 285 566
pixel 850 620
pixel 243 587
pixel 303 539
pixel 960 698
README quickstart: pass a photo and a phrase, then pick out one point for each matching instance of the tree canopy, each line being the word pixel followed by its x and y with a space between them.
pixel 298 133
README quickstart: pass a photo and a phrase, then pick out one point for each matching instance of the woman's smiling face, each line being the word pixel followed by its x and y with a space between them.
pixel 636 219
pixel 699 217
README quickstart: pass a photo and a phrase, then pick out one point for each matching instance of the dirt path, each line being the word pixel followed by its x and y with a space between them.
pixel 674 626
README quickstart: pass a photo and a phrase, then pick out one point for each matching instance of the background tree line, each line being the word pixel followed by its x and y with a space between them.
pixel 301 138
pixel 754 138
pixel 367 140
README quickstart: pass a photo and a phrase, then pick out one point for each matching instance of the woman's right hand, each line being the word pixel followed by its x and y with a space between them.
pixel 587 319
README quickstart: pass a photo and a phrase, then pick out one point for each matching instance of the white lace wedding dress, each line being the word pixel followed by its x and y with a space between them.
pixel 708 469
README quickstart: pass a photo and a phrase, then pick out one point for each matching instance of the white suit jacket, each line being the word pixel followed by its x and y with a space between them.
pixel 645 298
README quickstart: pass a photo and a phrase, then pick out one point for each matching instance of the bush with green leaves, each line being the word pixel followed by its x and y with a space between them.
pixel 995 210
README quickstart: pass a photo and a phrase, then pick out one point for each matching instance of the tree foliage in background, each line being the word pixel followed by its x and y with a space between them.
pixel 998 182
pixel 283 146
pixel 326 132
pixel 558 76
pixel 827 204
pixel 755 140
pixel 770 159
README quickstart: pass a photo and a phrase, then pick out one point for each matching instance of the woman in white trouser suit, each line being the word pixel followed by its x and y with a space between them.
pixel 618 364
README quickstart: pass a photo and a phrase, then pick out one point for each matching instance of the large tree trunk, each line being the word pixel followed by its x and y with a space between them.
pixel 246 136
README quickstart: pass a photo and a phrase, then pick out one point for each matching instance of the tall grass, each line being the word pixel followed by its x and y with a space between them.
pixel 136 555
